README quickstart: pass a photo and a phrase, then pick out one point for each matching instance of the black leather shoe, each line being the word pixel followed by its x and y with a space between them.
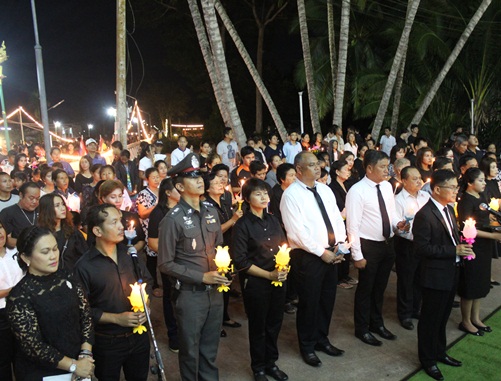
pixel 384 333
pixel 235 324
pixel 277 374
pixel 447 360
pixel 311 359
pixel 461 327
pixel 407 324
pixel 368 338
pixel 329 349
pixel 223 333
pixel 434 372
pixel 483 329
pixel 416 316
pixel 260 376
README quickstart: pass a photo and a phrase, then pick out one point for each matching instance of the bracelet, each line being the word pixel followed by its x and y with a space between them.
pixel 85 352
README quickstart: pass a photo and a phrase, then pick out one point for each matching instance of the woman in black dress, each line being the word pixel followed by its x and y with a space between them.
pixel 474 280
pixel 55 216
pixel 424 162
pixel 48 313
pixel 255 241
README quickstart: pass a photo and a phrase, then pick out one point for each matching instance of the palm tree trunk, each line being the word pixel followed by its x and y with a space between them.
pixel 259 67
pixel 308 66
pixel 252 69
pixel 332 46
pixel 398 95
pixel 223 76
pixel 344 33
pixel 450 61
pixel 397 60
pixel 209 62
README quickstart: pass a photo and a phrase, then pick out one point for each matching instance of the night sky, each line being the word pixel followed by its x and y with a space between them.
pixel 78 42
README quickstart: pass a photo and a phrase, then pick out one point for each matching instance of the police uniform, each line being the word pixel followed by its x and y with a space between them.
pixel 186 250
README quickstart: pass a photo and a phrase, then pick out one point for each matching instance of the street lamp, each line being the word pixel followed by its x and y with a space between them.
pixel 56 126
pixel 112 111
pixel 90 127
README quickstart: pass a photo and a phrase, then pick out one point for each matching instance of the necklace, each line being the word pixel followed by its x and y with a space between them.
pixel 34 216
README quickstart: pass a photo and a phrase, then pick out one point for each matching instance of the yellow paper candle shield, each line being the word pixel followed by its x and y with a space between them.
pixel 282 259
pixel 137 303
pixel 494 204
pixel 222 260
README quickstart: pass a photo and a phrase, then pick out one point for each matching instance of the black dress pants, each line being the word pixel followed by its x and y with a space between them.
pixel 408 279
pixel 372 282
pixel 316 287
pixel 264 304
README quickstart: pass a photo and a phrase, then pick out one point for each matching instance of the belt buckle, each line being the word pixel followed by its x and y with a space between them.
pixel 208 287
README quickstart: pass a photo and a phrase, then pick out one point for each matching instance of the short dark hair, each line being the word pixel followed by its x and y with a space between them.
pixel 125 153
pixel 463 160
pixel 372 157
pixel 25 186
pixel 460 139
pixel 419 140
pixel 19 175
pixel 95 217
pixel 471 175
pixel 227 131
pixel 149 171
pixel 282 170
pixel 440 177
pixel 253 185
pixel 207 179
pixel 256 166
pixel 117 144
pixel 182 136
pixel 404 173
pixel 95 167
pixel 220 167
pixel 247 150
pixel 108 166
pixel 440 162
pixel 56 173
pixel 323 172
pixel 484 165
pixel 336 166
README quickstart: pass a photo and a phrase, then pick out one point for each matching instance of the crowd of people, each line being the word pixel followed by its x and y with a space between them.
pixel 350 210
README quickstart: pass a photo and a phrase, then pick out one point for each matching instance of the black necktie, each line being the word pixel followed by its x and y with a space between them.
pixel 325 216
pixel 451 225
pixel 384 213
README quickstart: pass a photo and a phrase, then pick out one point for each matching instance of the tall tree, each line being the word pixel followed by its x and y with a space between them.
pixel 332 43
pixel 397 60
pixel 264 13
pixel 308 66
pixel 344 33
pixel 450 61
pixel 263 91
pixel 221 69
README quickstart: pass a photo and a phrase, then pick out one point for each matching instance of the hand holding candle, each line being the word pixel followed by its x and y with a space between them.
pixel 469 234
pixel 223 260
pixel 130 233
pixel 282 259
pixel 137 303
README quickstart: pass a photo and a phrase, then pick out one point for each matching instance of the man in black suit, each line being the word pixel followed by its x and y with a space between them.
pixel 436 240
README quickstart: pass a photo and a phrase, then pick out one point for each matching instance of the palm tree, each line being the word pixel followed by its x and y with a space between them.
pixel 344 31
pixel 332 43
pixel 252 69
pixel 450 61
pixel 310 83
pixel 223 76
pixel 397 60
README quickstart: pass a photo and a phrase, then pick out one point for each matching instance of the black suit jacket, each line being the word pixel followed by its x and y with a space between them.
pixel 433 243
pixel 133 172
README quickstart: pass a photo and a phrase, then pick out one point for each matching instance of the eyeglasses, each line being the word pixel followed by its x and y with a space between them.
pixel 455 189
pixel 315 164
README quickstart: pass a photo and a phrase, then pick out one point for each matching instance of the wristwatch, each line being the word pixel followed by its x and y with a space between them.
pixel 73 366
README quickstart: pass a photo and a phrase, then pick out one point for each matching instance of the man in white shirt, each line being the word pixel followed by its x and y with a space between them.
pixel 371 219
pixel 407 204
pixel 387 141
pixel 181 152
pixel 227 149
pixel 292 147
pixel 6 198
pixel 314 228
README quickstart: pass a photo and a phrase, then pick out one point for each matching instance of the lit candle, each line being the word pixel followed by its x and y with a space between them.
pixel 494 204
pixel 222 260
pixel 137 303
pixel 396 187
pixel 469 234
pixel 282 259
pixel 131 226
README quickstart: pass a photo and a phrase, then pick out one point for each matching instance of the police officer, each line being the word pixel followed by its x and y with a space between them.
pixel 188 236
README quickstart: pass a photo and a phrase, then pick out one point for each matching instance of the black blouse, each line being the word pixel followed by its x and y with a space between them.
pixel 224 212
pixel 50 318
pixel 70 249
pixel 255 241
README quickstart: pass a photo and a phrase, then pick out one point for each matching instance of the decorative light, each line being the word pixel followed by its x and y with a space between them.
pixel 137 303
pixel 223 260
pixel 282 259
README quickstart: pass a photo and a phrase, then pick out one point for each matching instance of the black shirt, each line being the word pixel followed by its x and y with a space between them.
pixel 70 249
pixel 224 212
pixel 14 219
pixel 339 193
pixel 238 174
pixel 275 198
pixel 107 285
pixel 255 241
pixel 359 166
pixel 80 181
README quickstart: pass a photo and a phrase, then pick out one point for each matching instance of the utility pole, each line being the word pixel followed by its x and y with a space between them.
pixel 3 58
pixel 121 91
pixel 41 81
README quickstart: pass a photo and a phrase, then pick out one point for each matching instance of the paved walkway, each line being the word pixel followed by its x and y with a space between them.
pixel 394 360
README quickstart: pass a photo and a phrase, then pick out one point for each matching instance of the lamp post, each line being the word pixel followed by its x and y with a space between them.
pixel 90 127
pixel 3 58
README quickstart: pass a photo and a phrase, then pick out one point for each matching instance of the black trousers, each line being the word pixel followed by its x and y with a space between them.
pixel 316 287
pixel 7 347
pixel 168 307
pixel 408 279
pixel 372 282
pixel 264 304
pixel 151 265
pixel 343 268
pixel 131 353
pixel 435 311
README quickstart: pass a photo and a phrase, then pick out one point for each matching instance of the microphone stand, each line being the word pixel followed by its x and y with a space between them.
pixel 159 368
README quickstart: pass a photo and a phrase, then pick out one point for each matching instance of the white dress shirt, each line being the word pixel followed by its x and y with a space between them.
pixel 10 272
pixel 387 143
pixel 447 222
pixel 407 205
pixel 352 149
pixel 303 220
pixel 363 216
pixel 177 155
